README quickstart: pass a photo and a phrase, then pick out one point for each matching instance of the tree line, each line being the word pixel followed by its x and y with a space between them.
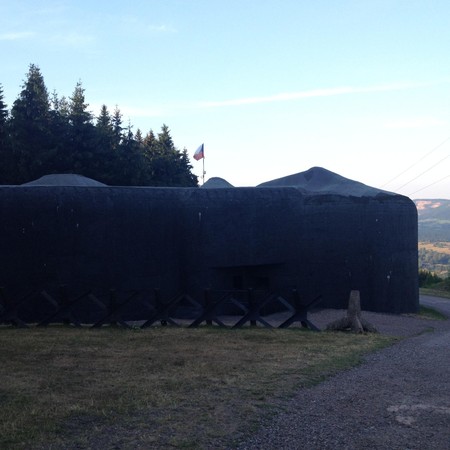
pixel 433 261
pixel 429 279
pixel 44 134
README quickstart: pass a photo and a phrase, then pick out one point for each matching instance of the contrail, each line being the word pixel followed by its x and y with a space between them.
pixel 325 92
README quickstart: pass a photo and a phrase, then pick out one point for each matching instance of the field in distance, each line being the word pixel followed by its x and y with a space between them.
pixel 435 257
pixel 439 247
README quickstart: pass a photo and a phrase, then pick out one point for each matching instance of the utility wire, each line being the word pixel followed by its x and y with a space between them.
pixel 424 172
pixel 431 184
pixel 417 162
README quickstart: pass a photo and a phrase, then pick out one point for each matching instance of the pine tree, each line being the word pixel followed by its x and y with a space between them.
pixel 60 105
pixel 175 165
pixel 6 156
pixel 30 128
pixel 3 112
pixel 117 126
pixel 165 140
pixel 150 141
pixel 106 149
pixel 131 170
pixel 186 177
pixel 3 120
pixel 82 136
pixel 79 115
pixel 46 134
pixel 59 123
pixel 104 120
pixel 138 137
pixel 165 164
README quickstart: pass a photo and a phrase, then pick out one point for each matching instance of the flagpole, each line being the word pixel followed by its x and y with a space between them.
pixel 203 174
pixel 200 154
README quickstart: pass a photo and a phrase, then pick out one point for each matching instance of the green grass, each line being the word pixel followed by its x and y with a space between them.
pixel 158 388
pixel 430 313
pixel 435 292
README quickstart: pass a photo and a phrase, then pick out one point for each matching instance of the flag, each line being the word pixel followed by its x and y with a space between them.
pixel 199 153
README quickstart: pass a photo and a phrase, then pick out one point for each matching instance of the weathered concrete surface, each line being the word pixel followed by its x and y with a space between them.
pixel 185 240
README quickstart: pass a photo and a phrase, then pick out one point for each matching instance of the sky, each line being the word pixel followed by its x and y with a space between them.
pixel 271 87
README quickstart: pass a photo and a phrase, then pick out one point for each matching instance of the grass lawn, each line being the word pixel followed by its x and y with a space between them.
pixel 430 313
pixel 157 388
pixel 435 292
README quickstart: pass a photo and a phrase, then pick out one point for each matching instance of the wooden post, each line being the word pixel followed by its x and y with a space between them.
pixel 353 321
pixel 354 312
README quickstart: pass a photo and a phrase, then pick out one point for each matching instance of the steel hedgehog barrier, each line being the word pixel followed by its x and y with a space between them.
pixel 137 308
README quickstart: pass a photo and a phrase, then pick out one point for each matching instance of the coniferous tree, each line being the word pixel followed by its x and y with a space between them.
pixel 3 112
pixel 131 162
pixel 138 137
pixel 186 177
pixel 30 128
pixel 6 156
pixel 150 141
pixel 106 148
pixel 104 120
pixel 173 165
pixel 46 134
pixel 104 131
pixel 165 164
pixel 150 152
pixel 81 134
pixel 116 122
pixel 79 115
pixel 59 123
pixel 166 167
pixel 165 140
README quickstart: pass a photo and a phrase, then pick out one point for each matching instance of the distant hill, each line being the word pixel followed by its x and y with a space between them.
pixel 434 219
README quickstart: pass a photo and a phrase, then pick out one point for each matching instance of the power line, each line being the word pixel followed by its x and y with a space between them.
pixel 424 172
pixel 431 184
pixel 417 162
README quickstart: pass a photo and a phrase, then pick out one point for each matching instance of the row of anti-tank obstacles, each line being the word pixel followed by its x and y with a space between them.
pixel 143 309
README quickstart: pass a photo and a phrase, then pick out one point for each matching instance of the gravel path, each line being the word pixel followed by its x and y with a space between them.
pixel 398 399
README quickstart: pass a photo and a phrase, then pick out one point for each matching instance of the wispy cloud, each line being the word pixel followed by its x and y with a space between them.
pixel 72 39
pixel 176 108
pixel 325 92
pixel 415 122
pixel 135 25
pixel 17 36
pixel 143 112
pixel 161 28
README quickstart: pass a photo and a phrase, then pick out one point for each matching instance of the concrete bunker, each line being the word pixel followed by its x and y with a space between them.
pixel 317 232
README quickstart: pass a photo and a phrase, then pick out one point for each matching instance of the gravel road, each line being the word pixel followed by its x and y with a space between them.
pixel 398 399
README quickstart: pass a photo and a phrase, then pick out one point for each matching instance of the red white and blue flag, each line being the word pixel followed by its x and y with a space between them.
pixel 199 153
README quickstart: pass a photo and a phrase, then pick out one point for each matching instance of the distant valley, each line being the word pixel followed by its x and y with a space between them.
pixel 434 220
pixel 434 235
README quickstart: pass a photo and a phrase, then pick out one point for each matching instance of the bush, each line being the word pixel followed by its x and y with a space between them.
pixel 445 284
pixel 428 279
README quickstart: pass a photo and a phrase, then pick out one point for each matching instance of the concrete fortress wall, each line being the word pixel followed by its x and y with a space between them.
pixel 187 239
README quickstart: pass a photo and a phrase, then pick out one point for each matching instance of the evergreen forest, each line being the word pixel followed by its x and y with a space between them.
pixel 44 134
